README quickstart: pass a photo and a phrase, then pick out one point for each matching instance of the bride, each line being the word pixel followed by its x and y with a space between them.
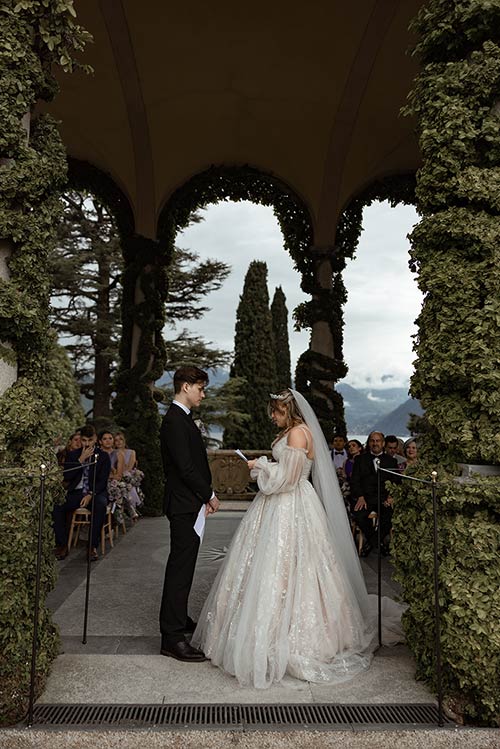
pixel 290 597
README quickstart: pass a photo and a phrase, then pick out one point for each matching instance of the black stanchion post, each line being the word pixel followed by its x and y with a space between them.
pixel 34 644
pixel 379 559
pixel 437 609
pixel 89 552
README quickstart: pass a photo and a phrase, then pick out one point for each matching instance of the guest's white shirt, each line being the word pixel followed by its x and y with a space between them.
pixel 339 458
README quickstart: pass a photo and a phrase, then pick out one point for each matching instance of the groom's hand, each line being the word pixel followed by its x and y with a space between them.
pixel 214 503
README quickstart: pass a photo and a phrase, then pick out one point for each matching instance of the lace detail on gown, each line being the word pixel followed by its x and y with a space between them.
pixel 279 604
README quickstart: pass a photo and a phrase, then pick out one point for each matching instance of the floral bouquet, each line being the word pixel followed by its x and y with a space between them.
pixel 133 480
pixel 118 495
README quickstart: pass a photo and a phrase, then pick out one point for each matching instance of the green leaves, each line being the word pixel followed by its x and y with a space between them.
pixel 42 403
pixel 469 552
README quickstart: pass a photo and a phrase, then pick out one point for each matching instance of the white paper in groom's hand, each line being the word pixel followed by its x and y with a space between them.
pixel 240 455
pixel 199 526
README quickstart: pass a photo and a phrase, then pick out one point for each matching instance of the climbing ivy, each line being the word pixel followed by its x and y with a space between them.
pixel 455 250
pixel 36 36
pixel 469 579
pixel 455 247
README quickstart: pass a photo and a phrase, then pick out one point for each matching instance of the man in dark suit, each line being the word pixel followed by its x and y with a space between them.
pixel 187 489
pixel 80 468
pixel 364 492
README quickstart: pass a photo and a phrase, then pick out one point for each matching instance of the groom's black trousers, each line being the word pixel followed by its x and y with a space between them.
pixel 184 545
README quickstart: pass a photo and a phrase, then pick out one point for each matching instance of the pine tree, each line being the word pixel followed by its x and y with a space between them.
pixel 279 315
pixel 254 360
pixel 86 268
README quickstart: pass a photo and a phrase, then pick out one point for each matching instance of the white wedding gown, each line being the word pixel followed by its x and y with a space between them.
pixel 279 604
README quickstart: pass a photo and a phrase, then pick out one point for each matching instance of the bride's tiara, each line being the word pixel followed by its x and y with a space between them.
pixel 280 397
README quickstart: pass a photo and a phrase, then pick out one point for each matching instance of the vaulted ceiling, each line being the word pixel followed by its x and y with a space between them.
pixel 307 91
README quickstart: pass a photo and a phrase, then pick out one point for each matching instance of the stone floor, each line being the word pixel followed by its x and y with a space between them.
pixel 120 662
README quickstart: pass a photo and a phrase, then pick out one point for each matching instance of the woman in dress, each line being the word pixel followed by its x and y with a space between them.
pixel 354 448
pixel 126 471
pixel 290 597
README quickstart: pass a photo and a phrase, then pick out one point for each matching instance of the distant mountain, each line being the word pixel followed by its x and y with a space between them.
pixel 396 421
pixel 366 406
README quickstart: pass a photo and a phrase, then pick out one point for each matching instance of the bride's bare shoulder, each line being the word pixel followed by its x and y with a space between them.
pixel 299 436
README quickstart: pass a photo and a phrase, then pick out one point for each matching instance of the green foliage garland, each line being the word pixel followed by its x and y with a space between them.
pixel 38 407
pixel 469 543
pixel 246 183
pixel 455 248
pixel 455 251
pixel 134 406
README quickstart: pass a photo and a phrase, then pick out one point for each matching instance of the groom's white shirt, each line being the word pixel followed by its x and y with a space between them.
pixel 181 405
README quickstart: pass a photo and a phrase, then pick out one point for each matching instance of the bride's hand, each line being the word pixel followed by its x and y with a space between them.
pixel 251 463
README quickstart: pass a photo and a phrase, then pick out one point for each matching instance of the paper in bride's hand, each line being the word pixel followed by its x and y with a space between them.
pixel 199 526
pixel 240 455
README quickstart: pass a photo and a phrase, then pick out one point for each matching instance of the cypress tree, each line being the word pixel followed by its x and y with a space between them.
pixel 279 315
pixel 254 360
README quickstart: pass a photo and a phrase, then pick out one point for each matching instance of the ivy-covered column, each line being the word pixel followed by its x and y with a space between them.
pixel 456 246
pixel 35 35
pixel 142 358
pixel 319 368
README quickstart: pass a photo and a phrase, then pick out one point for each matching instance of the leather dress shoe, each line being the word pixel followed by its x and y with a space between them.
pixel 183 651
pixel 94 556
pixel 61 552
pixel 365 549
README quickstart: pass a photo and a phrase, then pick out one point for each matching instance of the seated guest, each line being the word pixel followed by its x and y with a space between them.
pixel 117 489
pixel 391 447
pixel 354 448
pixel 411 452
pixel 73 443
pixel 364 492
pixel 83 473
pixel 339 454
pixel 127 471
pixel 106 442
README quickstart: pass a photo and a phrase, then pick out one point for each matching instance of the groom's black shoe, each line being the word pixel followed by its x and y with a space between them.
pixel 182 651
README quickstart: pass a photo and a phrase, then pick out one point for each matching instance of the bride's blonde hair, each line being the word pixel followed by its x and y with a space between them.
pixel 285 401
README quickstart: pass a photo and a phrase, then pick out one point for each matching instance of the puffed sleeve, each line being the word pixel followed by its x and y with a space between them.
pixel 275 478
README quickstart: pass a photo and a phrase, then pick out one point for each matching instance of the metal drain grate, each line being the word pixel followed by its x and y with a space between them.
pixel 236 717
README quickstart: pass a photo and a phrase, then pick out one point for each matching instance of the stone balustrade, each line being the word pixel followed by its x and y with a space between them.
pixel 230 475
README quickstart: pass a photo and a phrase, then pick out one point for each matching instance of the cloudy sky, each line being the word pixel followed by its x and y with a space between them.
pixel 383 297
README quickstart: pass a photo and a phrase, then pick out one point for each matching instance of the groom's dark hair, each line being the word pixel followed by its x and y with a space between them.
pixel 189 375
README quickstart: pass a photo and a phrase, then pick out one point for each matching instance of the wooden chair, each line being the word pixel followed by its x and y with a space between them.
pixel 121 525
pixel 81 517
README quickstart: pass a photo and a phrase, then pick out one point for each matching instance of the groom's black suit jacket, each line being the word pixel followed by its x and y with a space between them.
pixel 185 464
pixel 364 481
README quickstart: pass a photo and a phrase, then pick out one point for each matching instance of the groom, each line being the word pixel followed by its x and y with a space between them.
pixel 188 488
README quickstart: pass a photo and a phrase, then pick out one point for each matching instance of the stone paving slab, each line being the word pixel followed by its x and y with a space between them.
pixel 442 738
